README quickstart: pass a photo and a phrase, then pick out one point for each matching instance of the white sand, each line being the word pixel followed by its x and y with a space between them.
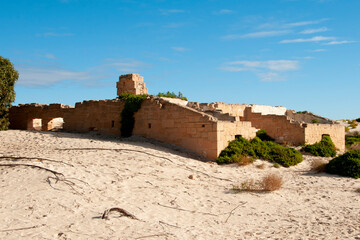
pixel 152 183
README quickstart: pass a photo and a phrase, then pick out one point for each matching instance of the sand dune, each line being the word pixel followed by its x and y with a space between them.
pixel 151 182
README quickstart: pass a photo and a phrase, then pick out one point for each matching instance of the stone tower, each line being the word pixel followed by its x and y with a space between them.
pixel 131 83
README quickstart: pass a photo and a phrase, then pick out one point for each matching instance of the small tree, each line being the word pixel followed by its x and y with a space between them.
pixel 8 77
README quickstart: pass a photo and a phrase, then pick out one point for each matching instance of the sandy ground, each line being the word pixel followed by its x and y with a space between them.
pixel 152 183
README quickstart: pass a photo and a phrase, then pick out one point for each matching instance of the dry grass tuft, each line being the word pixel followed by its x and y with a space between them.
pixel 269 183
pixel 318 165
pixel 244 160
pixel 261 166
pixel 272 182
pixel 357 190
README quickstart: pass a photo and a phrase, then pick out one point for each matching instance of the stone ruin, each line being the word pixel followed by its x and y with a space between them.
pixel 204 128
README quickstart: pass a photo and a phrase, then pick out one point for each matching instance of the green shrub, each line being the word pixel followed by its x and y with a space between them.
pixel 315 121
pixel 351 139
pixel 324 148
pixel 347 129
pixel 132 105
pixel 257 148
pixel 354 124
pixel 347 164
pixel 358 119
pixel 263 135
pixel 302 112
pixel 172 95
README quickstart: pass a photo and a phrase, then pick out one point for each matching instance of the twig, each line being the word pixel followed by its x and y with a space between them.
pixel 24 228
pixel 120 210
pixel 56 174
pixel 34 158
pixel 154 235
pixel 186 210
pixel 161 222
pixel 233 211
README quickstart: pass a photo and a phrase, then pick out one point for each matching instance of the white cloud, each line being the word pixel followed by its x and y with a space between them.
pixel 171 11
pixel 273 65
pixel 37 76
pixel 267 71
pixel 316 30
pixel 339 42
pixel 54 34
pixel 50 56
pixel 319 50
pixel 313 39
pixel 126 65
pixel 256 34
pixel 224 11
pixel 179 49
pixel 270 77
pixel 304 23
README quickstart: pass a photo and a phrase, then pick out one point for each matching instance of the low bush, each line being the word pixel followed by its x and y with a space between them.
pixel 347 164
pixel 351 139
pixel 263 135
pixel 172 95
pixel 315 121
pixel 354 124
pixel 358 120
pixel 324 148
pixel 302 112
pixel 257 148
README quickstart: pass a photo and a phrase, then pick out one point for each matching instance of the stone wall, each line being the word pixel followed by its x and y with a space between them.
pixel 131 83
pixel 314 133
pixel 278 127
pixel 308 117
pixel 188 128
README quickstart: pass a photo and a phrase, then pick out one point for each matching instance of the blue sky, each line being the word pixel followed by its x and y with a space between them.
pixel 300 54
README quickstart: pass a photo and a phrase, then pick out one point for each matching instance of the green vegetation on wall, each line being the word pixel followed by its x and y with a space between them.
pixel 8 77
pixel 257 148
pixel 132 105
pixel 172 95
pixel 324 148
pixel 347 164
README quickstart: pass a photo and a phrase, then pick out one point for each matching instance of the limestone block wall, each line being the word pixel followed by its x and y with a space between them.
pixel 314 133
pixel 131 83
pixel 227 131
pixel 278 127
pixel 175 124
pixel 36 116
pixel 102 116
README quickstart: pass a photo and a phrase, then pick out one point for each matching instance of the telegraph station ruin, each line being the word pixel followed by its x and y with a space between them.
pixel 204 128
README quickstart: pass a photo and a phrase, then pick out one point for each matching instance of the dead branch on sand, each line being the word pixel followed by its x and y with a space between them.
pixel 120 210
pixel 12 158
pixel 58 177
pixel 23 228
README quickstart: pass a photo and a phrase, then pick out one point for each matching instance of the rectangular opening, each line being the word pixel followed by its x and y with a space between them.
pixel 112 123
pixel 238 136
pixel 324 135
pixel 149 125
pixel 203 125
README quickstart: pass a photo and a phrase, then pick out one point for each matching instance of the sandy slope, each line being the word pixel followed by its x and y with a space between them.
pixel 152 183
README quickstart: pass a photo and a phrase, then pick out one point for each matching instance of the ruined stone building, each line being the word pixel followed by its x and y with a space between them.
pixel 204 128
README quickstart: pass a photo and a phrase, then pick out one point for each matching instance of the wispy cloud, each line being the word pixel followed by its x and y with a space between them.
pixel 223 12
pixel 313 39
pixel 265 70
pixel 270 77
pixel 54 34
pixel 174 25
pixel 50 56
pixel 319 50
pixel 304 23
pixel 44 76
pixel 126 65
pixel 170 11
pixel 179 49
pixel 338 42
pixel 316 30
pixel 256 34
